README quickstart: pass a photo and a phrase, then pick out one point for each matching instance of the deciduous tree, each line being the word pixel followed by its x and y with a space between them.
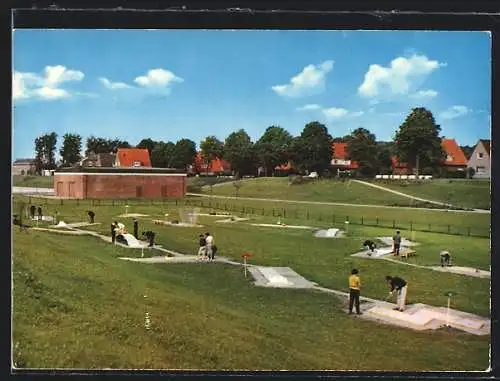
pixel 418 141
pixel 211 149
pixel 184 153
pixel 239 152
pixel 273 148
pixel 312 150
pixel 362 147
pixel 70 149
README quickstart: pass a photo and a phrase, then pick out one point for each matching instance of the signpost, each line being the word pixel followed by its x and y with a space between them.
pixel 449 294
pixel 245 256
pixel 347 226
pixel 126 209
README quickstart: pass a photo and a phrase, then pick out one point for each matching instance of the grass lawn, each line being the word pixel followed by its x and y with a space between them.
pixel 77 306
pixel 465 193
pixel 321 190
pixel 33 181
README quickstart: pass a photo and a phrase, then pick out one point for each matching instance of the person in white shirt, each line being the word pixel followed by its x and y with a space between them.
pixel 209 239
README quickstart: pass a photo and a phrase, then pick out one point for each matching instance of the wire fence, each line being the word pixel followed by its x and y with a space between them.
pixel 302 214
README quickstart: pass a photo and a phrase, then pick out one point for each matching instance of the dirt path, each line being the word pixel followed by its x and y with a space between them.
pixel 331 203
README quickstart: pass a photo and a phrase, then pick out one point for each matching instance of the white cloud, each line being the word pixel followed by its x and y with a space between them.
pixel 309 107
pixel 454 112
pixel 309 81
pixel 157 78
pixel 425 94
pixel 403 75
pixel 334 112
pixel 45 86
pixel 113 85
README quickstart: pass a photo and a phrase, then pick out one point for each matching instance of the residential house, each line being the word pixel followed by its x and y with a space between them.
pixel 23 167
pixel 455 158
pixel 132 157
pixel 340 160
pixel 98 160
pixel 480 160
pixel 214 167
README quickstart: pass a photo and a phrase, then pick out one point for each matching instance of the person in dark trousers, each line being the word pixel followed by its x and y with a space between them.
pixel 445 258
pixel 40 214
pixel 91 215
pixel 150 236
pixel 397 243
pixel 32 211
pixel 202 246
pixel 214 251
pixel 401 286
pixel 136 229
pixel 370 245
pixel 113 231
pixel 354 290
pixel 18 221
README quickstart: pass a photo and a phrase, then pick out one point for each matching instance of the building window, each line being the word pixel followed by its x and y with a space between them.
pixel 480 155
pixel 449 158
pixel 137 163
pixel 480 170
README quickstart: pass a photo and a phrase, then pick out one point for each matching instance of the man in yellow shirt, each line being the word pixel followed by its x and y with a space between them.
pixel 354 289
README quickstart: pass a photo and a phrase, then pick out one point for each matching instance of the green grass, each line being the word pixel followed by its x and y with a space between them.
pixel 76 305
pixel 465 193
pixel 320 190
pixel 33 181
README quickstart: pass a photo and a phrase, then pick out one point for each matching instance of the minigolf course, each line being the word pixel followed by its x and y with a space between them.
pixel 329 233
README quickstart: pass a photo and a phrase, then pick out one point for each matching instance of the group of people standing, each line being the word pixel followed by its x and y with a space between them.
pixel 397 285
pixel 207 248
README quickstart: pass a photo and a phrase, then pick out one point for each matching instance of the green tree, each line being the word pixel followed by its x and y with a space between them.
pixel 147 143
pixel 102 145
pixel 211 149
pixel 384 158
pixel 273 148
pixel 162 155
pixel 70 149
pixel 467 150
pixel 417 141
pixel 239 152
pixel 362 147
pixel 184 153
pixel 312 150
pixel 45 147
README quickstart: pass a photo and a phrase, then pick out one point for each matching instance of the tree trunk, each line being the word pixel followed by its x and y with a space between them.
pixel 417 165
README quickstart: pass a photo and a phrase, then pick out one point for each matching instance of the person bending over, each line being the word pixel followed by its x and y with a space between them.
pixel 445 258
pixel 370 245
pixel 400 286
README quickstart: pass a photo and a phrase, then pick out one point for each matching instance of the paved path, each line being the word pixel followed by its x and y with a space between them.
pixel 330 203
pixel 32 190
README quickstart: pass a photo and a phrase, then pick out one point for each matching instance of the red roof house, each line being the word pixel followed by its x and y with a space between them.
pixel 455 157
pixel 339 157
pixel 132 157
pixel 398 167
pixel 215 166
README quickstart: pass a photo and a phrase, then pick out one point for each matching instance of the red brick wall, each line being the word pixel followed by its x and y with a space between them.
pixel 69 186
pixel 107 186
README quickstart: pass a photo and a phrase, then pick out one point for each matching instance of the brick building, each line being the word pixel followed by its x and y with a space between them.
pixel 119 183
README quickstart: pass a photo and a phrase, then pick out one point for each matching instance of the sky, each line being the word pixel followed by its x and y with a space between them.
pixel 173 84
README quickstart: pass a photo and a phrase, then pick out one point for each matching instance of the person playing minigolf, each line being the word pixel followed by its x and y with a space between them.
pixel 397 243
pixel 370 245
pixel 136 228
pixel 401 286
pixel 445 258
pixel 91 215
pixel 354 290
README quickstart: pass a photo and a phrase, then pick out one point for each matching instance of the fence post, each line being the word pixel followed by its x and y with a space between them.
pixel 393 224
pixel 448 229
pixel 61 201
pixel 284 212
pixel 362 221
pixel 263 212
pixel 468 230
pixel 377 221
pixel 307 214
pixel 411 226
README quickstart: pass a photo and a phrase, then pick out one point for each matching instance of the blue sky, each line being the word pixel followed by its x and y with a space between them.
pixel 171 84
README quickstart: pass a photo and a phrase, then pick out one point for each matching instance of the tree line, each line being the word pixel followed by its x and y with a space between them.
pixel 417 143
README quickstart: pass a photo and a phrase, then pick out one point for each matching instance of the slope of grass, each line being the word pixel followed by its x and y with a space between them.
pixel 319 190
pixel 465 193
pixel 76 306
pixel 33 181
